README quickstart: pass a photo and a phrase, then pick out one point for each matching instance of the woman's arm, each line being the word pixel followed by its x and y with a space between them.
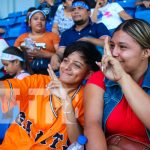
pixel 74 129
pixel 137 98
pixel 95 12
pixel 73 126
pixel 55 28
pixel 93 106
pixel 36 53
pixel 95 41
pixel 124 15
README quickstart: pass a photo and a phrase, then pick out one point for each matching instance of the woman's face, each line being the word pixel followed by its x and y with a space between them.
pixel 37 22
pixel 73 69
pixel 10 67
pixel 127 51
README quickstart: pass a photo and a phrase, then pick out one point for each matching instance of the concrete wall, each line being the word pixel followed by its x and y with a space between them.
pixel 9 6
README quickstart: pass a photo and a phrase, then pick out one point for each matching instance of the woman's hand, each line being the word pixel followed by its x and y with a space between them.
pixel 34 53
pixel 110 66
pixel 99 4
pixel 55 85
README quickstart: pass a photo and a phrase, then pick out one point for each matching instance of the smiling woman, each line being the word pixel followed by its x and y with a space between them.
pixel 122 99
pixel 44 45
pixel 50 117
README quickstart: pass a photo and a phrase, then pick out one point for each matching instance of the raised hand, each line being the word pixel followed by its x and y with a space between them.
pixel 99 4
pixel 106 47
pixel 110 66
pixel 55 85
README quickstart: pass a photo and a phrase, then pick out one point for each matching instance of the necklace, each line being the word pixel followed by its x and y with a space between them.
pixel 72 97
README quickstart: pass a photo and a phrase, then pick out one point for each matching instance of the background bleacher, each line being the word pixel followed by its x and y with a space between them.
pixel 12 25
pixel 14 21
pixel 135 12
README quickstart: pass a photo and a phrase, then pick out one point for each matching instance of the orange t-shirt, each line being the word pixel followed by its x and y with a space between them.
pixel 36 127
pixel 49 39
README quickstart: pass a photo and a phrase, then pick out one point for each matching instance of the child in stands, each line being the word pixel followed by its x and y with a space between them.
pixel 14 62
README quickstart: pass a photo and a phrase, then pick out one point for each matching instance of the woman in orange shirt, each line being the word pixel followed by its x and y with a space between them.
pixel 38 43
pixel 50 119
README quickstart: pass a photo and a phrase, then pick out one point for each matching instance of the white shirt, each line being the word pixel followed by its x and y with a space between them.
pixel 21 75
pixel 109 15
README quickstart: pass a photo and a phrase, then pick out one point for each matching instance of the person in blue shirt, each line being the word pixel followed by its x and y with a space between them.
pixel 83 30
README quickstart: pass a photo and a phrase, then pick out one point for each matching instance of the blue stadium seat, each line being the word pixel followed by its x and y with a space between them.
pixel 14 32
pixel 20 19
pixel 24 12
pixel 7 22
pixel 5 26
pixel 11 21
pixel 143 14
pixel 129 6
pixel 14 14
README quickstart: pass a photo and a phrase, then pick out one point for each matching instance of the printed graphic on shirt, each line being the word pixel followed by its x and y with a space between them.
pixel 25 124
pixel 57 137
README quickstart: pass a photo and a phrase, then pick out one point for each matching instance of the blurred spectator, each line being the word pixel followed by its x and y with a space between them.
pixel 39 44
pixel 143 3
pixel 49 7
pixel 111 14
pixel 83 30
pixel 63 19
pixel 13 60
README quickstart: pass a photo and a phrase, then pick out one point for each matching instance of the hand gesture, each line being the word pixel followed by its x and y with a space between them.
pixel 99 4
pixel 55 85
pixel 110 66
